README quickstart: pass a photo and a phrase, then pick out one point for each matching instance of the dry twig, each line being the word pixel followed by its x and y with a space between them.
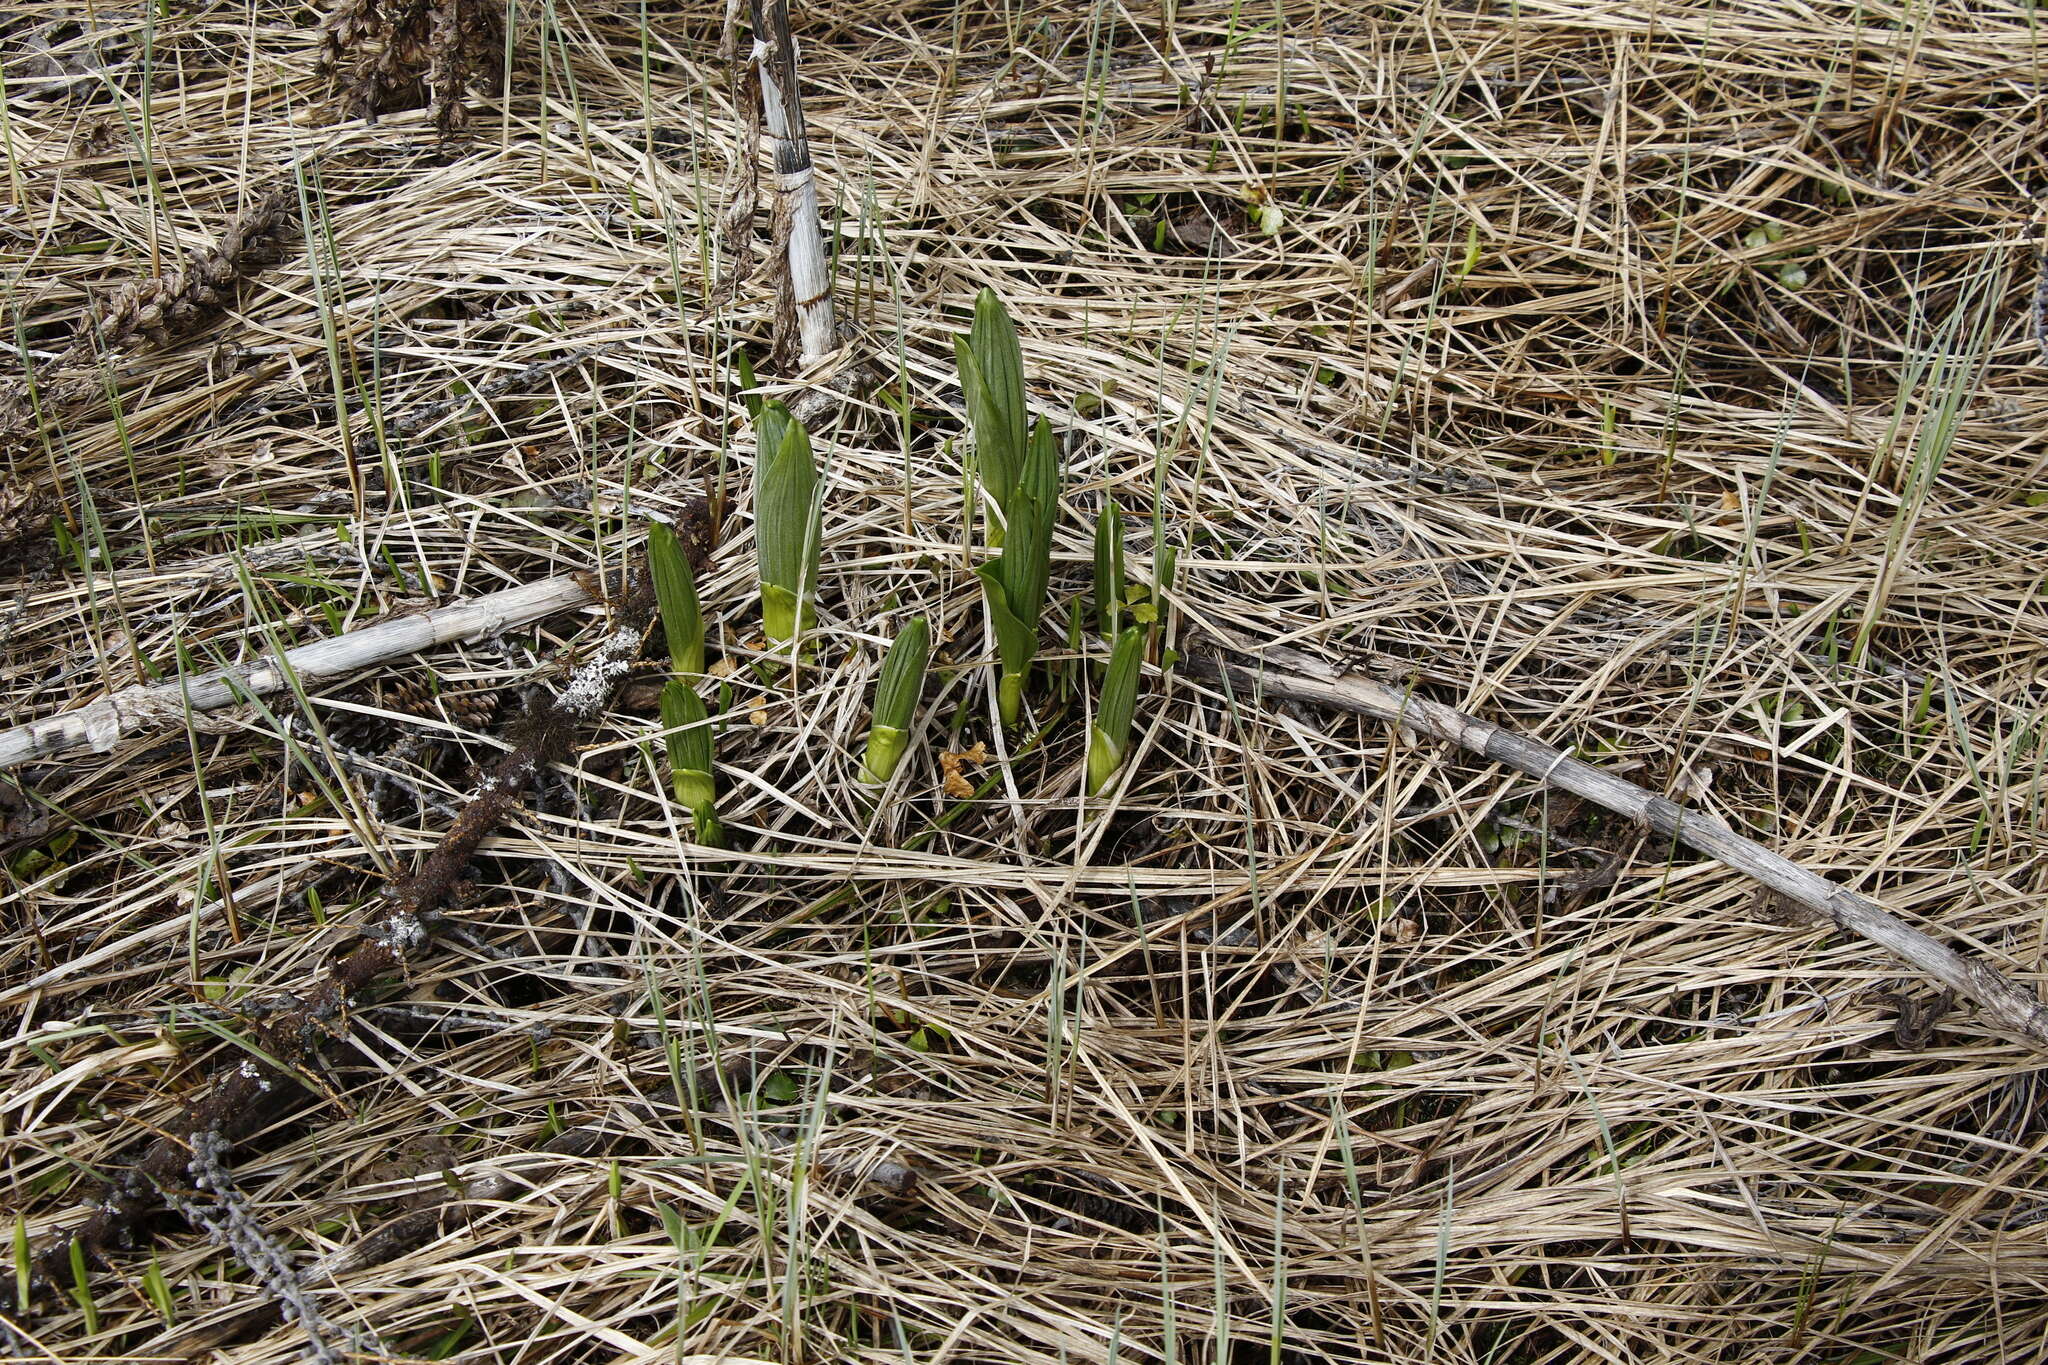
pixel 99 726
pixel 1303 677
pixel 268 1085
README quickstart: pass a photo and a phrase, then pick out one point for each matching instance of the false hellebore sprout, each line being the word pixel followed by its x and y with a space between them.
pixel 675 589
pixel 992 376
pixel 1110 736
pixel 786 521
pixel 689 758
pixel 1015 582
pixel 896 700
pixel 1109 568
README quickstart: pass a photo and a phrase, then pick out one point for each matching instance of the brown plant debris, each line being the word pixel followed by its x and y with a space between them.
pixel 954 764
pixel 270 1081
pixel 168 307
pixel 387 55
pixel 25 512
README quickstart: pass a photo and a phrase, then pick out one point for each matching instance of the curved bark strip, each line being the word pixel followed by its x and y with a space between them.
pixel 1303 677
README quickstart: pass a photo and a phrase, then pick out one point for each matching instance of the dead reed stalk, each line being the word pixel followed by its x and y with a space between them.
pixel 804 299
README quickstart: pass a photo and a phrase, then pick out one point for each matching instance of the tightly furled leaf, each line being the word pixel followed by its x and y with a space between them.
pixel 688 742
pixel 1015 583
pixel 787 516
pixel 675 589
pixel 992 377
pixel 896 700
pixel 1110 736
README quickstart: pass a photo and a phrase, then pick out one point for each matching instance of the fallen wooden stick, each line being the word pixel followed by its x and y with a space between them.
pixel 270 1084
pixel 99 726
pixel 1303 677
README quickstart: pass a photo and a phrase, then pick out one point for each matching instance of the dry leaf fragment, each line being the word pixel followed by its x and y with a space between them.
pixel 955 782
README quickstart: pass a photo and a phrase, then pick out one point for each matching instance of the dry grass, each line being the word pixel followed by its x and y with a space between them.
pixel 1655 378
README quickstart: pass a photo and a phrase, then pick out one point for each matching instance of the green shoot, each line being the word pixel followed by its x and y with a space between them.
pixel 1109 568
pixel 896 700
pixel 1110 737
pixel 1169 562
pixel 786 522
pixel 689 758
pixel 992 376
pixel 675 588
pixel 158 1291
pixel 1015 583
pixel 81 1290
pixel 745 366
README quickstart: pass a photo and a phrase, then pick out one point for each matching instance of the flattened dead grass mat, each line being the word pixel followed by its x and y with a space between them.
pixel 1657 380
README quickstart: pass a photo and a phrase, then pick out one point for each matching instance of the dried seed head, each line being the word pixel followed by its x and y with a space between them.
pixel 182 302
pixel 388 55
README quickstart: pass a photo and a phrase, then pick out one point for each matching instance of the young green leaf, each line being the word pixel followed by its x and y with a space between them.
pixel 24 1268
pixel 896 700
pixel 745 365
pixel 675 589
pixel 786 521
pixel 1109 567
pixel 1169 561
pixel 1110 736
pixel 81 1289
pixel 158 1291
pixel 689 758
pixel 1015 583
pixel 991 367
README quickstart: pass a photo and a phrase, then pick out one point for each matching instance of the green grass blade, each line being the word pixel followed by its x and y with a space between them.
pixel 1109 568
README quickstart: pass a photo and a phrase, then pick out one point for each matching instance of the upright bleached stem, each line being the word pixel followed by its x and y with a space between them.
pixel 810 278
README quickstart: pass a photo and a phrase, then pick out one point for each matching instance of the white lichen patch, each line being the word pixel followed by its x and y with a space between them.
pixel 593 682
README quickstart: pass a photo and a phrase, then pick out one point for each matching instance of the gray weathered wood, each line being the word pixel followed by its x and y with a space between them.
pixel 796 180
pixel 1303 677
pixel 98 726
